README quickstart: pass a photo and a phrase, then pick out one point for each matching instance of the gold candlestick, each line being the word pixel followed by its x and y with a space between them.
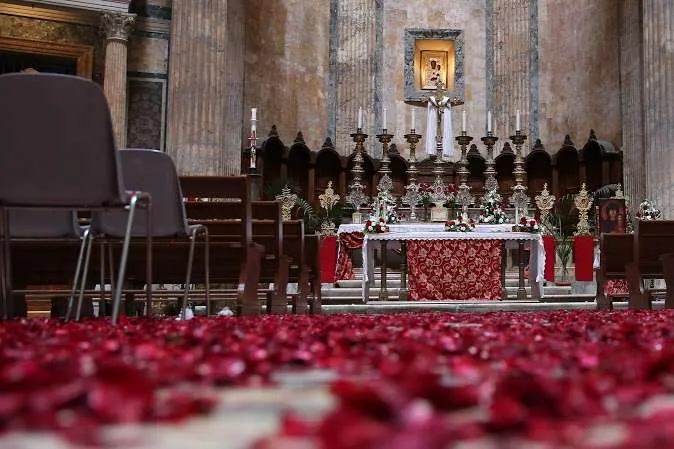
pixel 490 182
pixel 519 199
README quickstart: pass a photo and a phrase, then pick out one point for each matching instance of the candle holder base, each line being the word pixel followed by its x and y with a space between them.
pixel 357 218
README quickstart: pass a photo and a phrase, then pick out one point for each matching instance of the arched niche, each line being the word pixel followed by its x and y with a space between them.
pixel 538 165
pixel 591 156
pixel 299 158
pixel 476 167
pixel 566 163
pixel 328 167
pixel 273 153
pixel 504 164
pixel 368 175
pixel 398 167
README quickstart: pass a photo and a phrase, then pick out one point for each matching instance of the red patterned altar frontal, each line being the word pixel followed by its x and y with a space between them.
pixel 454 269
pixel 347 242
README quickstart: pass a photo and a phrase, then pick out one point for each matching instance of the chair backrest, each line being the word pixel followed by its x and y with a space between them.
pixel 616 251
pixel 43 223
pixel 652 239
pixel 153 172
pixel 57 145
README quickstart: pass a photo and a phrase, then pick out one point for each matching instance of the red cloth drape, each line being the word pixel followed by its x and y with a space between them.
pixel 328 254
pixel 347 241
pixel 549 244
pixel 583 257
pixel 454 269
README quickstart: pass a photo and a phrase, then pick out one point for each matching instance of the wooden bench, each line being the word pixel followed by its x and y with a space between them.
pixel 616 252
pixel 653 258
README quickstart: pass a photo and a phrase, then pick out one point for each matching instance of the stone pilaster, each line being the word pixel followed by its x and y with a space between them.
pixel 116 28
pixel 354 68
pixel 197 136
pixel 658 91
pixel 631 60
pixel 511 64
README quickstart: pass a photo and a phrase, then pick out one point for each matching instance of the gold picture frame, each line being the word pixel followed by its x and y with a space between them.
pixel 433 68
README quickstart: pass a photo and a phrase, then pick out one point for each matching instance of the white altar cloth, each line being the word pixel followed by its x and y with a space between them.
pixel 536 255
pixel 426 227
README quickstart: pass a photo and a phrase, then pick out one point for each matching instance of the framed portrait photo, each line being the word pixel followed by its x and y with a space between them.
pixel 433 69
pixel 611 216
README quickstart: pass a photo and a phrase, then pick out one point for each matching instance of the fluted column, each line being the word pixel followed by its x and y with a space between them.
pixel 512 74
pixel 658 91
pixel 355 70
pixel 634 165
pixel 116 28
pixel 198 95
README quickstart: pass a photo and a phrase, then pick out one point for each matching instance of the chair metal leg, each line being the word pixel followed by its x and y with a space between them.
pixel 188 276
pixel 4 236
pixel 207 269
pixel 7 264
pixel 78 268
pixel 85 274
pixel 117 299
pixel 148 254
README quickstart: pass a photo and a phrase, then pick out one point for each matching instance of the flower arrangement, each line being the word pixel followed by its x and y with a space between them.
pixel 527 224
pixel 491 209
pixel 648 211
pixel 376 226
pixel 460 225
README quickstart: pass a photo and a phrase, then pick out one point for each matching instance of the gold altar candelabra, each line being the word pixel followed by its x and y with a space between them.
pixel 357 196
pixel 490 182
pixel 412 195
pixel 583 203
pixel 545 203
pixel 385 139
pixel 519 199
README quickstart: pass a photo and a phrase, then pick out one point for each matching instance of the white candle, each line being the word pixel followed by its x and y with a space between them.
pixel 384 119
pixel 414 119
pixel 253 114
pixel 488 121
pixel 517 121
pixel 360 118
pixel 253 119
pixel 463 121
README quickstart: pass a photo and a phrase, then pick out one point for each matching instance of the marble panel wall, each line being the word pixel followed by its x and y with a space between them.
pixel 287 67
pixel 579 50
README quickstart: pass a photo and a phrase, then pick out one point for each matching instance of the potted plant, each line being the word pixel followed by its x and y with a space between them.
pixel 559 224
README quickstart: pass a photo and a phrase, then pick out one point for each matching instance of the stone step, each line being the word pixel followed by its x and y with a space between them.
pixel 395 282
pixel 340 294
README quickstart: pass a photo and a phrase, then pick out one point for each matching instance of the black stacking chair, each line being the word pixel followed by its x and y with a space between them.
pixel 58 151
pixel 154 172
pixel 57 225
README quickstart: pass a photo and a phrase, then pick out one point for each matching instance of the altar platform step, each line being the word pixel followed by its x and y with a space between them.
pixel 394 281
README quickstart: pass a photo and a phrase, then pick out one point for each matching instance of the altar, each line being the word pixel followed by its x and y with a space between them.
pixel 449 265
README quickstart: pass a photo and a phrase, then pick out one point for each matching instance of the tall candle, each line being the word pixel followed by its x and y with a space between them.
pixel 463 121
pixel 384 119
pixel 414 119
pixel 360 118
pixel 253 119
pixel 517 121
pixel 488 121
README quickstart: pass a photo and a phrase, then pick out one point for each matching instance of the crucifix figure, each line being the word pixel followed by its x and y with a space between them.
pixel 439 123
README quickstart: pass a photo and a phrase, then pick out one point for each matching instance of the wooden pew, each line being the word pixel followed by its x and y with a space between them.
pixel 266 231
pixel 232 247
pixel 653 258
pixel 616 252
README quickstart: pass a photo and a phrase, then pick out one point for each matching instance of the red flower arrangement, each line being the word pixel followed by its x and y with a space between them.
pixel 527 224
pixel 460 225
pixel 376 226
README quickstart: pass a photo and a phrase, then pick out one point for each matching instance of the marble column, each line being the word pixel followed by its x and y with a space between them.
pixel 511 64
pixel 116 28
pixel 631 60
pixel 354 68
pixel 658 102
pixel 200 85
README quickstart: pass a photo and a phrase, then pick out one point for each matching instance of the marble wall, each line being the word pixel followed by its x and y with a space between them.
pixel 287 67
pixel 579 50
